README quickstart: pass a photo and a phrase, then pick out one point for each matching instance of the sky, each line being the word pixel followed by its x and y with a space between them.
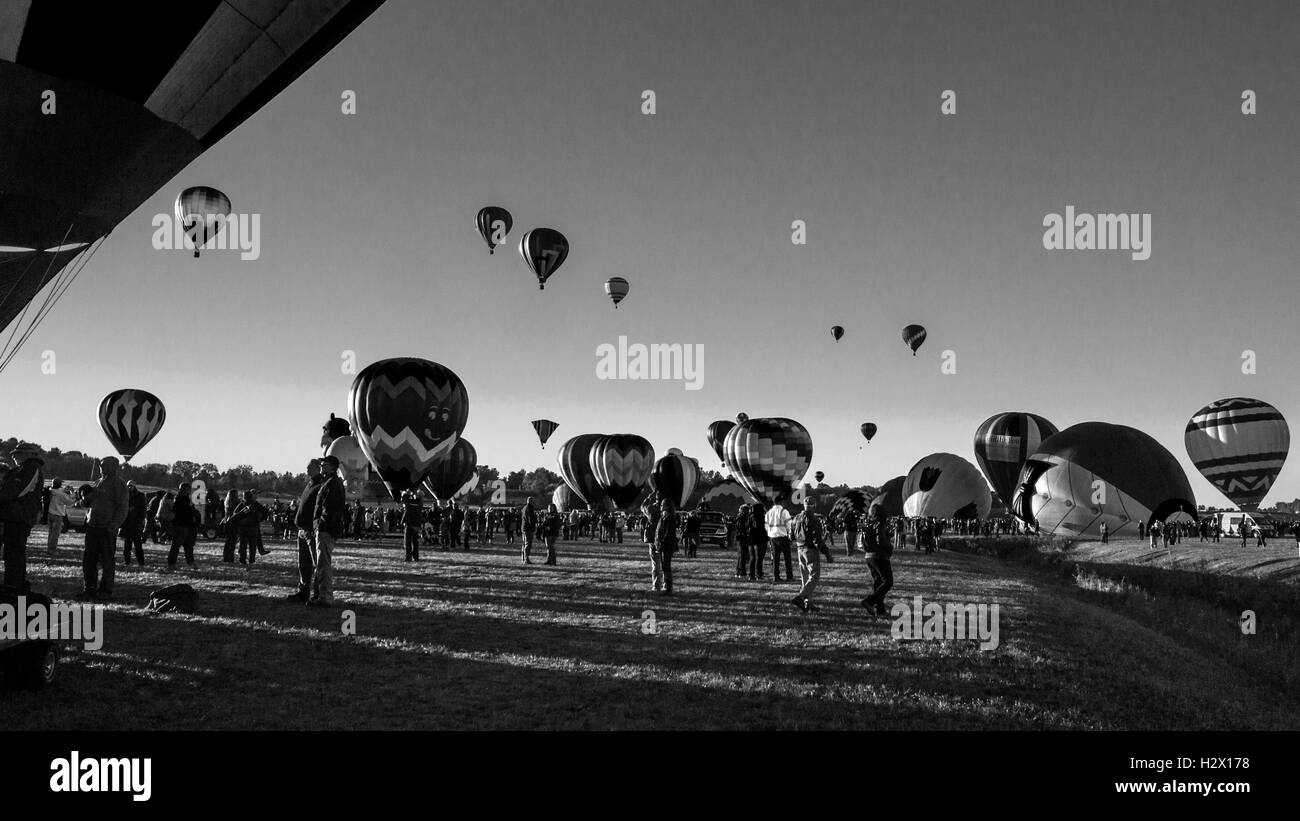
pixel 766 113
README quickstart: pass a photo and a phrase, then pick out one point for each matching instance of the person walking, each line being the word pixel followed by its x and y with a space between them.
pixel 876 546
pixel 59 502
pixel 108 509
pixel 132 531
pixel 665 544
pixel 777 522
pixel 20 509
pixel 850 522
pixel 810 540
pixel 306 537
pixel 330 509
pixel 228 525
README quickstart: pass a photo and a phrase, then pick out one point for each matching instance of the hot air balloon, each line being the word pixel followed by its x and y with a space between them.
pixel 125 127
pixel 1002 444
pixel 574 461
pixel 848 507
pixel 621 463
pixel 741 418
pixel 868 430
pixel 727 497
pixel 717 433
pixel 837 331
pixel 544 249
pixel 819 476
pixel 674 477
pixel 493 223
pixel 202 212
pixel 1096 472
pixel 452 470
pixel 891 497
pixel 913 336
pixel 768 456
pixel 1239 446
pixel 565 499
pixel 333 428
pixel 946 487
pixel 544 428
pixel 131 418
pixel 407 413
pixel 616 288
pixel 352 462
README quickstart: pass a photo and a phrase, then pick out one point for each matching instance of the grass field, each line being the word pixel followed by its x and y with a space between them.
pixel 476 640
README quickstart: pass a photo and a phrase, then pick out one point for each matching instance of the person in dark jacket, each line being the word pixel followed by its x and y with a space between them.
pixel 20 508
pixel 247 521
pixel 665 544
pixel 528 526
pixel 108 507
pixel 876 546
pixel 306 538
pixel 550 530
pixel 412 521
pixel 458 525
pixel 691 534
pixel 809 538
pixel 228 526
pixel 186 521
pixel 331 506
pixel 132 531
pixel 741 530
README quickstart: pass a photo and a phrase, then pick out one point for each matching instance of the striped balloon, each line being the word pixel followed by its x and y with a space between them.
pixel 452 470
pixel 621 463
pixel 131 418
pixel 406 414
pixel 565 499
pixel 202 212
pixel 674 477
pixel 1239 445
pixel 544 428
pixel 544 249
pixel 913 336
pixel 717 435
pixel 727 497
pixel 1002 444
pixel 769 456
pixel 574 461
pixel 616 288
pixel 489 220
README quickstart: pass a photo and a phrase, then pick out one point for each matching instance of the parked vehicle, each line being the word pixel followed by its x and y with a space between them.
pixel 28 664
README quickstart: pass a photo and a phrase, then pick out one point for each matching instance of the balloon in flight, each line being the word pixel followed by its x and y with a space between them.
pixel 130 418
pixel 913 336
pixel 544 250
pixel 616 288
pixel 544 428
pixel 493 223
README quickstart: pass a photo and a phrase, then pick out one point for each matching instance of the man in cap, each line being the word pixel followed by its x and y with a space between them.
pixel 810 539
pixel 108 508
pixel 20 508
pixel 330 509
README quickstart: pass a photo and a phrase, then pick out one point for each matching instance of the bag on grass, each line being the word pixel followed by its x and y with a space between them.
pixel 175 598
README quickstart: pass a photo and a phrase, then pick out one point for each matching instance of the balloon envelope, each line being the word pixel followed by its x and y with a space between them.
pixel 868 430
pixel 1239 445
pixel 544 250
pixel 450 472
pixel 674 477
pixel 574 462
pixel 727 497
pixel 837 332
pixel 717 433
pixel 202 212
pixel 490 220
pixel 891 497
pixel 616 288
pixel 1096 472
pixel 130 418
pixel 1002 444
pixel 945 486
pixel 769 456
pixel 544 428
pixel 621 463
pixel 913 336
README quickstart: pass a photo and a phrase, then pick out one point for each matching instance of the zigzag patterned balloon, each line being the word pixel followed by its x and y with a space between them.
pixel 130 418
pixel 1239 445
pixel 768 456
pixel 621 463
pixel 407 413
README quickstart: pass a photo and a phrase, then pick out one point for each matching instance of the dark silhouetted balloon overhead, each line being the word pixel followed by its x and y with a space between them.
pixel 913 336
pixel 544 249
pixel 130 418
pixel 616 288
pixel 493 223
pixel 837 331
pixel 544 428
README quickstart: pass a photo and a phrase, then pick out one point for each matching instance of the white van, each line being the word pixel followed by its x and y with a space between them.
pixel 1230 523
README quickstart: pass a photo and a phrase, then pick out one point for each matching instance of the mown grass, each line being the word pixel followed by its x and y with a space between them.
pixel 479 641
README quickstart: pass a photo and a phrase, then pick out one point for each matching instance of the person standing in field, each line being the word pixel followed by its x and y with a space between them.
pixel 876 546
pixel 551 523
pixel 665 544
pixel 60 501
pixel 228 523
pixel 850 522
pixel 412 520
pixel 1153 531
pixel 528 525
pixel 810 540
pixel 777 522
pixel 306 537
pixel 330 511
pixel 132 531
pixel 20 509
pixel 649 523
pixel 108 508
pixel 1105 531
pixel 741 531
pixel 186 520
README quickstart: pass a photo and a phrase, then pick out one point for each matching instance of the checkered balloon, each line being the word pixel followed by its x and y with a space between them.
pixel 769 456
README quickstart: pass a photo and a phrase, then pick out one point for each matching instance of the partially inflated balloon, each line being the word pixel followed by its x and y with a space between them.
pixel 717 433
pixel 946 487
pixel 1239 445
pixel 493 223
pixel 769 456
pixel 574 461
pixel 1094 473
pixel 1002 444
pixel 848 507
pixel 544 428
pixel 352 462
pixel 913 336
pixel 622 463
pixel 727 497
pixel 868 430
pixel 407 413
pixel 130 418
pixel 616 288
pixel 565 499
pixel 544 249
pixel 837 331
pixel 451 471
pixel 674 477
